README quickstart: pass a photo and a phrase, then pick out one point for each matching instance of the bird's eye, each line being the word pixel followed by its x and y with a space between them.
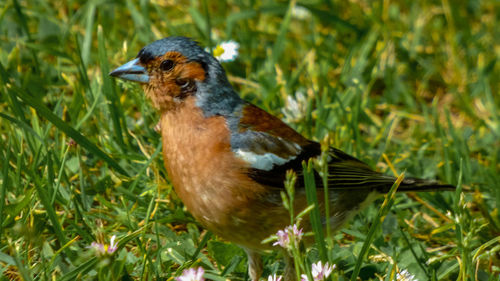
pixel 167 65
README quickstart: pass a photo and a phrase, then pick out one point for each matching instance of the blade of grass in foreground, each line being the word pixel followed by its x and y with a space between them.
pixel 74 134
pixel 312 199
pixel 382 212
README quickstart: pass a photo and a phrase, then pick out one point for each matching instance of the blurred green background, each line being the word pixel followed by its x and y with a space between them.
pixel 415 81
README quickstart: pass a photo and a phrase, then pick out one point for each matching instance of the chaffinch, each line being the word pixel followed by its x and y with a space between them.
pixel 227 158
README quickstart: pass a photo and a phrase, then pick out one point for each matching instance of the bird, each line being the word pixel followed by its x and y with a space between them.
pixel 227 158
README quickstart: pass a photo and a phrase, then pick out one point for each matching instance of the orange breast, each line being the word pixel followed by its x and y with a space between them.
pixel 212 182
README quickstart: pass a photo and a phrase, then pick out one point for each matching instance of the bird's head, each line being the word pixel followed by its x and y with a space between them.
pixel 174 68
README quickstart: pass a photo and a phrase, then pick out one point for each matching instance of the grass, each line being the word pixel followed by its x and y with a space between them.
pixel 409 86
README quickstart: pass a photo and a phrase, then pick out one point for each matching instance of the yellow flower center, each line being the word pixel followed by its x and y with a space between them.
pixel 218 51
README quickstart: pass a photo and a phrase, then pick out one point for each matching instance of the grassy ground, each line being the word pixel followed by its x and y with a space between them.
pixel 413 84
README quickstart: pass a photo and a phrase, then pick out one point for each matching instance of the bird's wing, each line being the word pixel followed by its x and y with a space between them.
pixel 271 148
pixel 267 145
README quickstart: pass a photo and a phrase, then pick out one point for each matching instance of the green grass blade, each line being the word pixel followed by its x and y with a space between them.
pixel 72 133
pixel 312 199
pixel 89 27
pixel 466 266
pixel 81 270
pixel 203 242
pixel 22 125
pixel 144 168
pixel 44 191
pixel 331 18
pixel 208 25
pixel 444 145
pixel 109 90
pixel 382 212
pixel 23 21
pixel 279 44
pixel 5 185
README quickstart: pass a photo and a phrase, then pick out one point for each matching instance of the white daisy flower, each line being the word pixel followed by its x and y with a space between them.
pixel 226 51
pixel 404 275
pixel 192 274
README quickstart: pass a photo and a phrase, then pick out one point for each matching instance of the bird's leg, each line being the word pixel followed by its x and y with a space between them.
pixel 254 264
pixel 289 274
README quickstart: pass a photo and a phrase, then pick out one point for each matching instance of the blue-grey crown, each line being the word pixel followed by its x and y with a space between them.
pixel 187 47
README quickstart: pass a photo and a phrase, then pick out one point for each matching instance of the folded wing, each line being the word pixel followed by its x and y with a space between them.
pixel 270 147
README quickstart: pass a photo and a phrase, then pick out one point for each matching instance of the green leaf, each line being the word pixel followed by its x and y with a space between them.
pixel 224 253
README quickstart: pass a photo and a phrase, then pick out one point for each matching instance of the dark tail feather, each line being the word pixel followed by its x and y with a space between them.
pixel 348 173
pixel 417 185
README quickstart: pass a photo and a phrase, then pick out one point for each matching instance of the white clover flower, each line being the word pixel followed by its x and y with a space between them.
pixel 319 272
pixel 295 107
pixel 192 275
pixel 283 239
pixel 285 235
pixel 102 249
pixel 300 12
pixel 404 275
pixel 226 51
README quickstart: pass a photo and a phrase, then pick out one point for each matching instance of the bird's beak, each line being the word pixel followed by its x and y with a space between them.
pixel 131 71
